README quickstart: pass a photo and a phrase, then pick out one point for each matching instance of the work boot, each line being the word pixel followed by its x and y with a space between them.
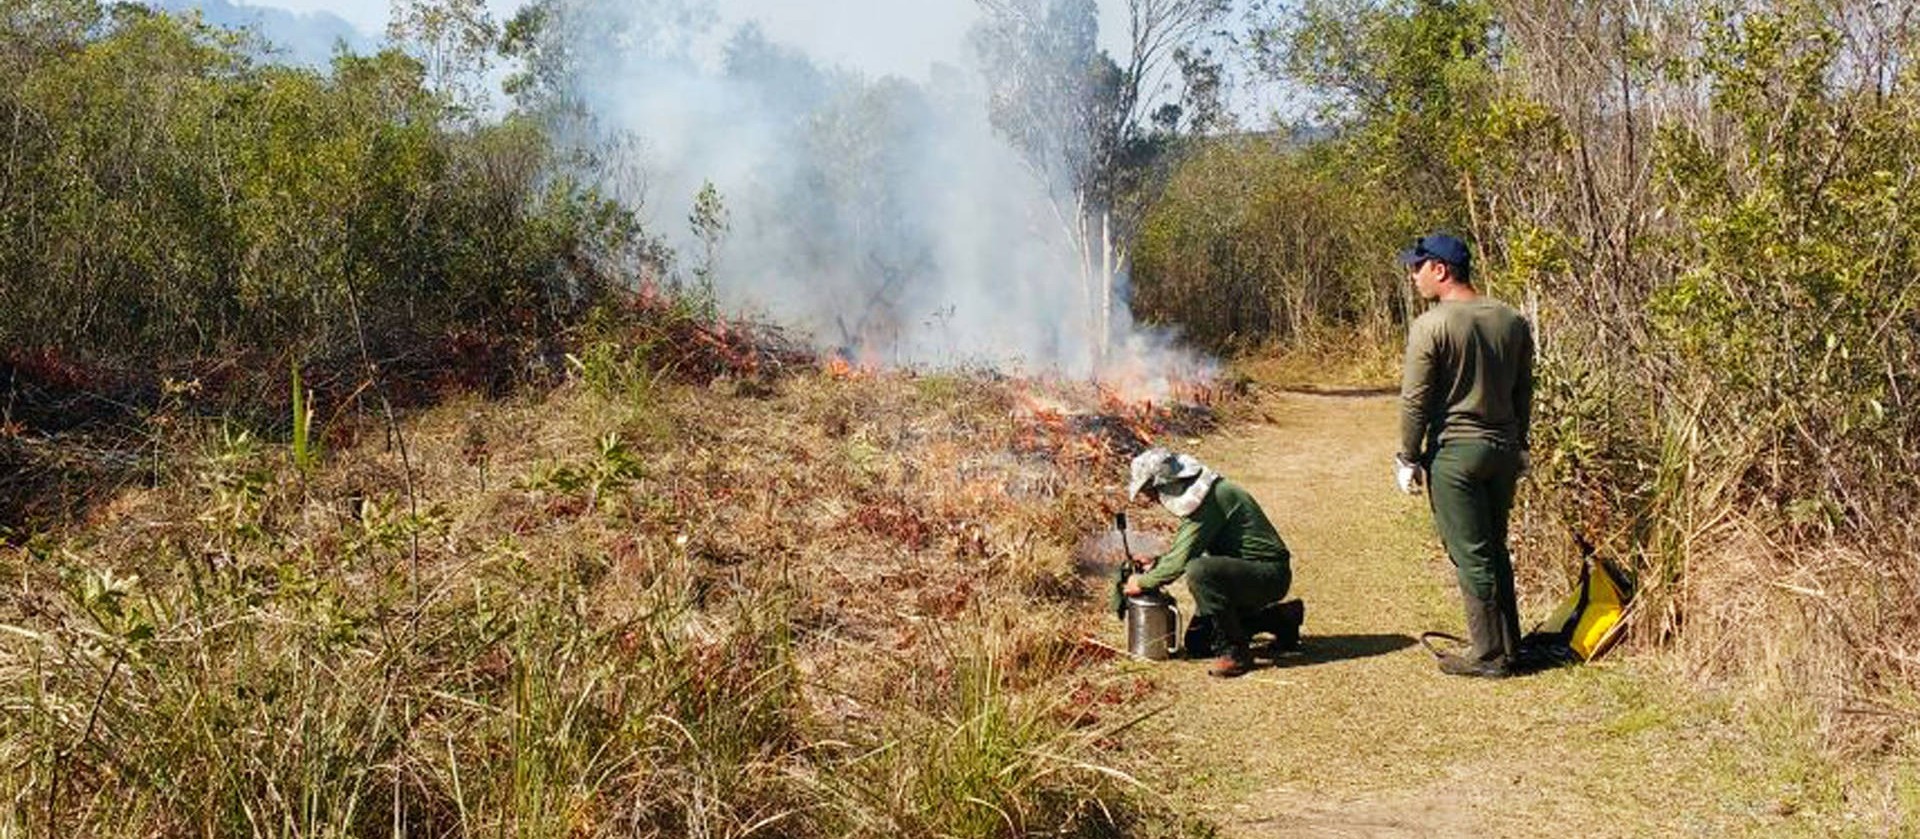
pixel 1285 626
pixel 1282 621
pixel 1230 640
pixel 1507 612
pixel 1454 665
pixel 1198 642
pixel 1494 640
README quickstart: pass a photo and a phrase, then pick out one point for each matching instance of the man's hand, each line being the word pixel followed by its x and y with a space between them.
pixel 1133 588
pixel 1526 464
pixel 1410 476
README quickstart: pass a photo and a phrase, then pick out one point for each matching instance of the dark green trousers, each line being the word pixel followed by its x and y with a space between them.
pixel 1229 590
pixel 1471 485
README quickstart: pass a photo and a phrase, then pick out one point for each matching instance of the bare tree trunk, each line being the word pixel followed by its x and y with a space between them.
pixel 1089 310
pixel 1109 273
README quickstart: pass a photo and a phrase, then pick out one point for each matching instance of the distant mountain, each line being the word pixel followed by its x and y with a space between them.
pixel 306 38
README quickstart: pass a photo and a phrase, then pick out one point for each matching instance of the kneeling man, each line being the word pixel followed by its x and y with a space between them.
pixel 1234 561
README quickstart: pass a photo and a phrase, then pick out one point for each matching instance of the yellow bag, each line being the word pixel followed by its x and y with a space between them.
pixel 1588 622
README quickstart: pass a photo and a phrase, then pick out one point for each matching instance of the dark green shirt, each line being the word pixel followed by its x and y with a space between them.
pixel 1469 376
pixel 1228 522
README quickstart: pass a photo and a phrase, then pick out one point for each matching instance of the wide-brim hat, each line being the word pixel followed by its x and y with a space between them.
pixel 1160 467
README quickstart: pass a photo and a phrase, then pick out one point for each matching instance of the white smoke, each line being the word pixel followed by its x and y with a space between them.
pixel 882 216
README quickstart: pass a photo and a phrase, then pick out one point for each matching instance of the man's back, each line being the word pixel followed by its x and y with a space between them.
pixel 1244 529
pixel 1469 376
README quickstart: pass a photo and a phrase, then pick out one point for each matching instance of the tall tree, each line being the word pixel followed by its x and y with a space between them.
pixel 1087 125
pixel 454 40
pixel 1404 80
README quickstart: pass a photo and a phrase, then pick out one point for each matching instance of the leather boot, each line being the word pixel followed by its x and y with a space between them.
pixel 1457 665
pixel 1230 640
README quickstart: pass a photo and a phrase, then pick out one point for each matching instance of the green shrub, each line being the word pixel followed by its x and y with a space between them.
pixel 172 202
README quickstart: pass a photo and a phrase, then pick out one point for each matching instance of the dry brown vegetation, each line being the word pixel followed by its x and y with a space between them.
pixel 747 602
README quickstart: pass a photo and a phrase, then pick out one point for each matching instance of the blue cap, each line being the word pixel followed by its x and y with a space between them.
pixel 1442 247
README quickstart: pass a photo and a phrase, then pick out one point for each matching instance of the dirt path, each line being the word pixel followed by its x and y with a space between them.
pixel 1361 736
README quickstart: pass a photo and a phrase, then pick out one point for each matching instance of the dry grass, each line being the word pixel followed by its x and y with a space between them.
pixel 797 605
pixel 1352 360
pixel 1781 606
pixel 1819 628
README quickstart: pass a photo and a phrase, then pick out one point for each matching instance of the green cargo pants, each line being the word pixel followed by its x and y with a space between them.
pixel 1229 590
pixel 1471 486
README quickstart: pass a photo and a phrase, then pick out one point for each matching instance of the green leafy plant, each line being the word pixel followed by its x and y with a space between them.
pixel 305 451
pixel 236 483
pixel 614 467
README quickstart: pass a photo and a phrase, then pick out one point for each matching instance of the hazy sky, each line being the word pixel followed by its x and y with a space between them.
pixel 900 37
pixel 876 37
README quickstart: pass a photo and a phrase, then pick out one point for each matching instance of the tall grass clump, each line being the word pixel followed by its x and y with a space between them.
pixel 303 448
pixel 294 697
pixel 968 752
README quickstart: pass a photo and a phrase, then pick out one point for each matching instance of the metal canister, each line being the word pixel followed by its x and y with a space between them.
pixel 1153 626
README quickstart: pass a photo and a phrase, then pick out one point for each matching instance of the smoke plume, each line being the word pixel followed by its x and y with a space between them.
pixel 882 216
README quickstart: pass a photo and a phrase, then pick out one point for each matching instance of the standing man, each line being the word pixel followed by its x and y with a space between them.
pixel 1467 397
pixel 1236 565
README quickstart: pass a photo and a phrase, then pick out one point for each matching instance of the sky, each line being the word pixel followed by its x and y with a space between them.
pixel 900 37
pixel 299 37
pixel 877 37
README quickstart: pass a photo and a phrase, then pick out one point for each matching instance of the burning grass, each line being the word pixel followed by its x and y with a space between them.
pixel 664 599
pixel 1095 424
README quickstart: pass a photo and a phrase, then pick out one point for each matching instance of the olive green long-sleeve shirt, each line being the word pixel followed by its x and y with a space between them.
pixel 1228 523
pixel 1468 376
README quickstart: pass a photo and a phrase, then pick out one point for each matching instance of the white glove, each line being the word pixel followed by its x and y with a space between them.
pixel 1410 476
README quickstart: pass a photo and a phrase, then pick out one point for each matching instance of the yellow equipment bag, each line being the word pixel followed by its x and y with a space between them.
pixel 1588 622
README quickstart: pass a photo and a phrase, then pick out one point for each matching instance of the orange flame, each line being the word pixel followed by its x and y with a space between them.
pixel 841 369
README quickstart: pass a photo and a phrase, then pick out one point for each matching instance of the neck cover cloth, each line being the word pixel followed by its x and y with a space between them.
pixel 1188 500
